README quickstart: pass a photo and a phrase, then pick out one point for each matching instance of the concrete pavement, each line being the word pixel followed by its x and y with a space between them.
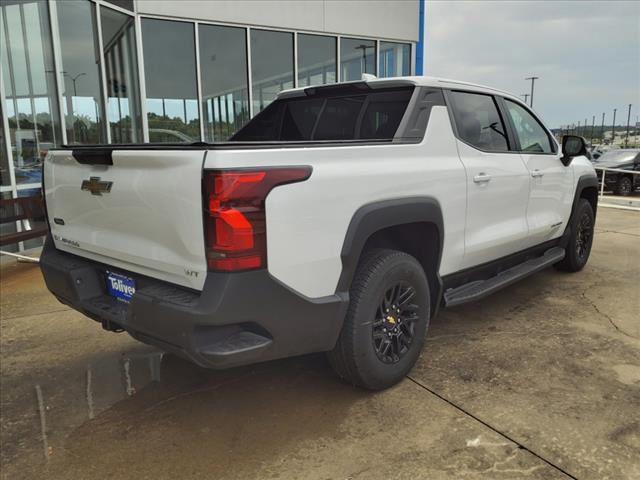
pixel 541 380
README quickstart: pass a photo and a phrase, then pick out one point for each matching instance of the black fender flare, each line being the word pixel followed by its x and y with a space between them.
pixel 585 181
pixel 376 216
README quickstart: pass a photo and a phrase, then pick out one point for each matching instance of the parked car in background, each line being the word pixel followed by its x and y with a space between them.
pixel 619 182
pixel 599 150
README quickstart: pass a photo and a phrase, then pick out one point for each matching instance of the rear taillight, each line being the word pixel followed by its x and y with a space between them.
pixel 235 219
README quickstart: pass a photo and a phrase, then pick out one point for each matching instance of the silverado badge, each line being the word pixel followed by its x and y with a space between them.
pixel 95 186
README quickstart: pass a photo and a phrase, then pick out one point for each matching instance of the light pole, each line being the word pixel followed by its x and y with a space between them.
pixel 525 95
pixel 533 80
pixel 593 126
pixel 602 130
pixel 626 139
pixel 74 79
pixel 613 131
pixel 578 129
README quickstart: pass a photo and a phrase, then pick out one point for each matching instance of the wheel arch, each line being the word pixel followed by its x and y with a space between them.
pixel 587 188
pixel 413 225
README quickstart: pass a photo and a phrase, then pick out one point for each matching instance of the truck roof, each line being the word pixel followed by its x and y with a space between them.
pixel 422 81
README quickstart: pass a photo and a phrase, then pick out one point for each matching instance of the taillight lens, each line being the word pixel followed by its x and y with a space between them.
pixel 235 218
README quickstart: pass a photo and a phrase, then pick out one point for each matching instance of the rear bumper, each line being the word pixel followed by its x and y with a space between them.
pixel 237 319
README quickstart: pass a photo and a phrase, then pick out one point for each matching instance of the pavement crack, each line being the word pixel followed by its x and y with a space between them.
pixel 492 428
pixel 601 313
pixel 616 231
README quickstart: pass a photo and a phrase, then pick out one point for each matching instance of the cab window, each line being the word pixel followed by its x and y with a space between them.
pixel 532 136
pixel 478 121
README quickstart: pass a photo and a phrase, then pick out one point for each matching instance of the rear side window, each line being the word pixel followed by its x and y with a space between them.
pixel 370 115
pixel 532 136
pixel 478 121
pixel 263 127
pixel 299 119
pixel 338 120
pixel 383 114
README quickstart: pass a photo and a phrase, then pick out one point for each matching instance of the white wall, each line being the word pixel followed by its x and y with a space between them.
pixel 390 19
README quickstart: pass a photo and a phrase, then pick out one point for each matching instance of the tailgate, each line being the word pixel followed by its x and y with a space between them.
pixel 143 213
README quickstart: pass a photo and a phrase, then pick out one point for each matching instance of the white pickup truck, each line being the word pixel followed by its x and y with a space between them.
pixel 339 220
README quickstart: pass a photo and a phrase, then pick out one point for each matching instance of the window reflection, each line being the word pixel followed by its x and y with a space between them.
pixel 5 177
pixel 271 65
pixel 29 85
pixel 316 60
pixel 83 105
pixel 121 69
pixel 357 56
pixel 395 59
pixel 223 70
pixel 170 80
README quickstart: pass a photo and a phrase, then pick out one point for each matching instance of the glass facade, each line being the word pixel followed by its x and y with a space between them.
pixel 82 96
pixel 317 60
pixel 394 59
pixel 95 71
pixel 357 56
pixel 121 75
pixel 170 74
pixel 31 104
pixel 223 77
pixel 271 65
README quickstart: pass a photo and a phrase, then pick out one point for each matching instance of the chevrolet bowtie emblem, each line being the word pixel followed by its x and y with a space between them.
pixel 95 186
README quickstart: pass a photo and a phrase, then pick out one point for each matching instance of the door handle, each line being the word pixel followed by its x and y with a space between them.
pixel 537 173
pixel 482 178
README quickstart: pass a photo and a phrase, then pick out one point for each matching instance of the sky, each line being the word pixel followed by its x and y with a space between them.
pixel 586 53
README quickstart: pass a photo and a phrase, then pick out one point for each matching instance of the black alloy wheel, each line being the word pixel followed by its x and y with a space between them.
pixel 394 323
pixel 584 236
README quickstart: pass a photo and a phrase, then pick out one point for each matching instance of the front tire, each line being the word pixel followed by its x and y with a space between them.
pixel 386 323
pixel 580 239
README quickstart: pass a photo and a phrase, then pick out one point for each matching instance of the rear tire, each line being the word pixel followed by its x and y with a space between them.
pixel 386 323
pixel 580 240
pixel 624 187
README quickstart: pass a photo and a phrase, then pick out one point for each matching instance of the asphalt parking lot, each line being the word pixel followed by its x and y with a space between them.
pixel 541 380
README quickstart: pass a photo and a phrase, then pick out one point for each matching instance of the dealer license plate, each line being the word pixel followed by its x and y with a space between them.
pixel 120 286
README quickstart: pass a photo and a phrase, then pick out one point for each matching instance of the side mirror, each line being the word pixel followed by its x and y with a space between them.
pixel 572 146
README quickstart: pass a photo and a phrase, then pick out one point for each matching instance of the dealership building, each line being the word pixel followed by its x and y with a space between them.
pixel 134 71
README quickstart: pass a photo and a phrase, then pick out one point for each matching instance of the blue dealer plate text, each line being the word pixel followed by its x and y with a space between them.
pixel 120 286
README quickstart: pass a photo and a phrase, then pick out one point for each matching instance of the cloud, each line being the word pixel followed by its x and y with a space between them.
pixel 587 54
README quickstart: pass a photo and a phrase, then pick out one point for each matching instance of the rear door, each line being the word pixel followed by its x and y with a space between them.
pixel 497 180
pixel 141 213
pixel 551 190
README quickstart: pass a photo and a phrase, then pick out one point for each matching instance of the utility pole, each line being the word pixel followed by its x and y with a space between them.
pixel 613 132
pixel 525 95
pixel 602 130
pixel 626 139
pixel 533 80
pixel 593 126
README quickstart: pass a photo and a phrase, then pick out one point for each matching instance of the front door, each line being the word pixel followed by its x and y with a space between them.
pixel 551 192
pixel 497 180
